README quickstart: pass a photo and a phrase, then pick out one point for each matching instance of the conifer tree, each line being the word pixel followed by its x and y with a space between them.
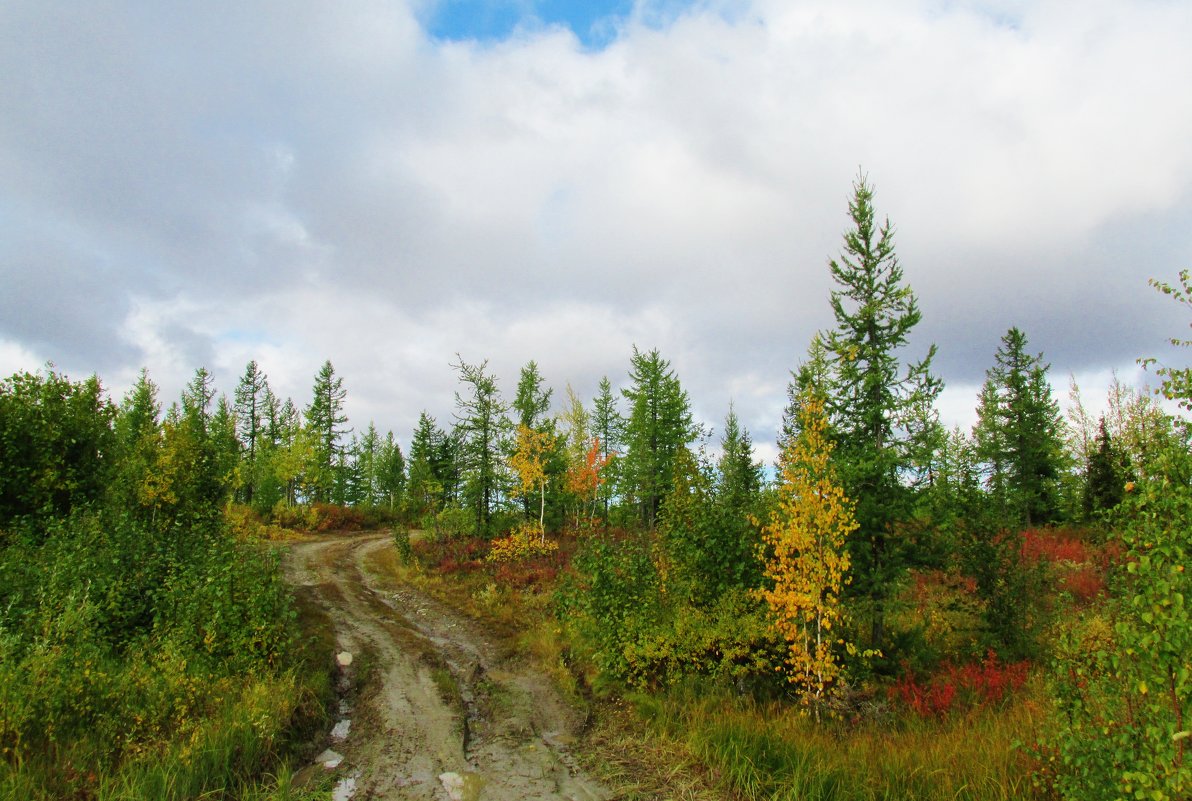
pixel 252 394
pixel 659 425
pixel 197 398
pixel 423 487
pixel 740 476
pixel 138 440
pixel 608 427
pixel 391 473
pixel 483 426
pixel 1106 482
pixel 532 402
pixel 1020 434
pixel 224 442
pixel 325 418
pixel 869 395
pixel 813 373
pixel 531 406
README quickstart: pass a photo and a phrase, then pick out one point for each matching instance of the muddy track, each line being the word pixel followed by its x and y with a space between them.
pixel 439 709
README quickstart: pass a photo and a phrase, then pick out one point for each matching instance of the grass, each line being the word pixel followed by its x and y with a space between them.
pixel 772 751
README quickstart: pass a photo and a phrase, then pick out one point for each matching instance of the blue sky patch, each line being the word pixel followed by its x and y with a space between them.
pixel 593 21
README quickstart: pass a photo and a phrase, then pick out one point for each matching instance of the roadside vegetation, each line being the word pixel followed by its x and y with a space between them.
pixel 892 611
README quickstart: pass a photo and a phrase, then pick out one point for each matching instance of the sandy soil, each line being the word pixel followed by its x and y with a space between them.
pixel 439 708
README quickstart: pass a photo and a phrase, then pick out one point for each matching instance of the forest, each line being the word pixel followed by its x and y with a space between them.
pixel 893 610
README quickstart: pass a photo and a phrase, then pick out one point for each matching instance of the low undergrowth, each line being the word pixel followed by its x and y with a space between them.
pixel 692 730
pixel 774 751
pixel 140 666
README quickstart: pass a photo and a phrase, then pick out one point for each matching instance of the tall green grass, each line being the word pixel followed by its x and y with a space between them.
pixel 773 752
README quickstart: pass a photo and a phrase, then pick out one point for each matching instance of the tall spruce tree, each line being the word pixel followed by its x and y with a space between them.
pixel 659 425
pixel 608 426
pixel 423 487
pixel 868 396
pixel 1106 481
pixel 483 425
pixel 391 473
pixel 325 418
pixel 1019 434
pixel 252 394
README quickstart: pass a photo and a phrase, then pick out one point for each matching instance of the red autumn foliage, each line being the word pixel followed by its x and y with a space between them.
pixel 975 684
pixel 331 517
pixel 453 555
pixel 1053 545
pixel 1084 583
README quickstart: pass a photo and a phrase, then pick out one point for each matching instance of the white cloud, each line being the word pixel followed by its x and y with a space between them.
pixel 345 188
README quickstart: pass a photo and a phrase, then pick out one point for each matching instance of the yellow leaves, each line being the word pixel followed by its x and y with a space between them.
pixel 522 543
pixel 807 560
pixel 529 459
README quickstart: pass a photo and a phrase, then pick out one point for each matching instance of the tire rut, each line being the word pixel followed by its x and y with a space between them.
pixel 503 732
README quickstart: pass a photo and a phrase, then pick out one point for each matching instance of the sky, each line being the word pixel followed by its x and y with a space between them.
pixel 396 186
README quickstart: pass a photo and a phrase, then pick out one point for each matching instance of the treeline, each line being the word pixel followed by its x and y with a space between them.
pixel 885 551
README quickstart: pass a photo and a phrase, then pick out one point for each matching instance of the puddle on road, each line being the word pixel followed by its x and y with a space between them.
pixel 345 789
pixel 341 729
pixel 330 759
pixel 462 786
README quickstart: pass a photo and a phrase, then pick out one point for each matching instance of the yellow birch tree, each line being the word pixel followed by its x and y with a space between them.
pixel 529 463
pixel 805 557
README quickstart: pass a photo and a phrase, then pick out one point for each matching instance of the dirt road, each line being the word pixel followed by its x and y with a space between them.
pixel 438 709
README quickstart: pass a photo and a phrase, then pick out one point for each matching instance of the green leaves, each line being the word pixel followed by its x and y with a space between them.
pixel 1135 686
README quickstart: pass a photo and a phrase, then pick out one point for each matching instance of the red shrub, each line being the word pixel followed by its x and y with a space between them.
pixel 931 701
pixel 1052 545
pixel 1084 583
pixel 329 517
pixel 974 684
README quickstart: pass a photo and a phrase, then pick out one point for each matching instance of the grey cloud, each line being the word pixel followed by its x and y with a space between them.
pixel 359 193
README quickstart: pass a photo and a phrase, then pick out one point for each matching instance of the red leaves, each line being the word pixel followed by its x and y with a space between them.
pixel 1049 545
pixel 976 684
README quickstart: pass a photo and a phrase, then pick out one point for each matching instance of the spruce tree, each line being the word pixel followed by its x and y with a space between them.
pixel 391 473
pixel 483 426
pixel 325 418
pixel 740 477
pixel 1106 481
pixel 608 426
pixel 1020 434
pixel 659 425
pixel 252 394
pixel 869 395
pixel 423 488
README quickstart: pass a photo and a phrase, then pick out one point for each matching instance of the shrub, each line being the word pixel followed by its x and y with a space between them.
pixel 1053 546
pixel 333 517
pixel 524 542
pixel 974 684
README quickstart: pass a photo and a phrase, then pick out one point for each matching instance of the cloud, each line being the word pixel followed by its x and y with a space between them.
pixel 295 182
